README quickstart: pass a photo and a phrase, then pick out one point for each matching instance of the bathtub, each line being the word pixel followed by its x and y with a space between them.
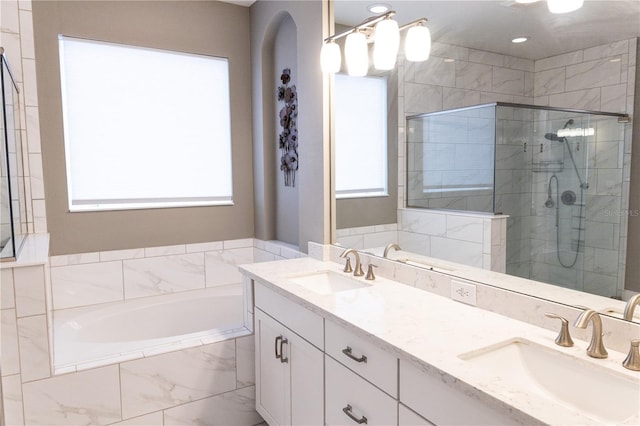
pixel 91 336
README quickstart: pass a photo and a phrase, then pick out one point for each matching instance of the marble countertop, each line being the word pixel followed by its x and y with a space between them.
pixel 433 331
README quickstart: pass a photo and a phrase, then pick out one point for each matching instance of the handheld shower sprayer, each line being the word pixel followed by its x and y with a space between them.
pixel 549 203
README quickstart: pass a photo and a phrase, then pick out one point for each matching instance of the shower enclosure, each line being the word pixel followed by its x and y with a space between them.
pixel 558 174
pixel 13 227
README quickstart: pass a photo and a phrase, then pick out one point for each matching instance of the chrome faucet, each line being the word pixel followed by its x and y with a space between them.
pixel 388 248
pixel 630 307
pixel 596 347
pixel 358 272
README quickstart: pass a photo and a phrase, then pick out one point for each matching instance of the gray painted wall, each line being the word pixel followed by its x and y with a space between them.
pixel 208 28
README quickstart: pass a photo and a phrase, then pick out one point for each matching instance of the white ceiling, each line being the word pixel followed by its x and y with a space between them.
pixel 490 25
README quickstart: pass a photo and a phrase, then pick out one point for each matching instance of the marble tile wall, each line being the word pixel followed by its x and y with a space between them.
pixel 475 240
pixel 210 384
pixel 368 236
pixel 16 31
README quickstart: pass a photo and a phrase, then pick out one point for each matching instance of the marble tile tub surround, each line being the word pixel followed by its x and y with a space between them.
pixel 432 332
pixel 102 395
pixel 507 297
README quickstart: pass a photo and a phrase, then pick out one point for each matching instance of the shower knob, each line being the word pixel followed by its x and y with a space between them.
pixel 568 198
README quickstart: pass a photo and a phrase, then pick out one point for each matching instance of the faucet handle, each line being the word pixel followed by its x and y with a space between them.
pixel 347 266
pixel 632 361
pixel 564 338
pixel 370 275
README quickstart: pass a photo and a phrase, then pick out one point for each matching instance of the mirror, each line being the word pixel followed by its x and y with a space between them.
pixel 473 62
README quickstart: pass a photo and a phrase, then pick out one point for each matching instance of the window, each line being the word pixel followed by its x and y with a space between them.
pixel 361 136
pixel 144 128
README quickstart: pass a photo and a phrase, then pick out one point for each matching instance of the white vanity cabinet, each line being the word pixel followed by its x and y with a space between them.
pixel 289 369
pixel 439 403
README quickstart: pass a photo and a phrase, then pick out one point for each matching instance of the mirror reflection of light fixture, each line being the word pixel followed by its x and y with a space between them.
pixel 417 44
pixel 572 133
pixel 386 44
pixel 564 6
pixel 356 52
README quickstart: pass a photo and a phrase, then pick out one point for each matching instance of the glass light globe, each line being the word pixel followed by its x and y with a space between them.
pixel 357 54
pixel 330 58
pixel 387 41
pixel 417 44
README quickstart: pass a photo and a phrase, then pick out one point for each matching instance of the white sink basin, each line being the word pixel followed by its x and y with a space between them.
pixel 580 386
pixel 328 282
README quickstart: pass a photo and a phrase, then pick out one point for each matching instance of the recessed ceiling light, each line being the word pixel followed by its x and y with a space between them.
pixel 379 8
pixel 519 40
pixel 526 1
pixel 449 60
pixel 614 60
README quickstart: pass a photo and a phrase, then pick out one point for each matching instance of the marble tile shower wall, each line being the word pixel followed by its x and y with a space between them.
pixel 209 384
pixel 16 32
pixel 600 78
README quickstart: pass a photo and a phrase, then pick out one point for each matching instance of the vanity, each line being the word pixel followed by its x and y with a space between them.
pixel 332 349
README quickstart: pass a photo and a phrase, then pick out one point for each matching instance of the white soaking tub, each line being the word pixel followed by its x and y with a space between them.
pixel 90 336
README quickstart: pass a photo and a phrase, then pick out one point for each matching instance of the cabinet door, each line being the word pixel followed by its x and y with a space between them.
pixel 289 375
pixel 271 373
pixel 407 417
pixel 307 381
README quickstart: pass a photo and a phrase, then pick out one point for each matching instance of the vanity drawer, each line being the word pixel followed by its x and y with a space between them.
pixel 350 399
pixel 379 367
pixel 442 404
pixel 305 323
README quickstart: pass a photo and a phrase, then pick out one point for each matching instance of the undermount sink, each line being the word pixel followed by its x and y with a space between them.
pixel 578 385
pixel 327 282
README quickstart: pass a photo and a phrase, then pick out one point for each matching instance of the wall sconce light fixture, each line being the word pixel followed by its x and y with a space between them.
pixel 385 33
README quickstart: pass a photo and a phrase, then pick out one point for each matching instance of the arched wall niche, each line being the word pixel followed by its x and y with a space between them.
pixel 279 51
pixel 272 21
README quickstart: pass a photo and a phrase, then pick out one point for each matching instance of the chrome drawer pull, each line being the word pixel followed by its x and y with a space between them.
pixel 348 353
pixel 283 359
pixel 278 355
pixel 347 411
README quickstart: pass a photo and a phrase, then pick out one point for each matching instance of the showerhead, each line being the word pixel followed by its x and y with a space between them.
pixel 554 137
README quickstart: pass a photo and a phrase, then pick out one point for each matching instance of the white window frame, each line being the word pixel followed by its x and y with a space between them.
pixel 360 105
pixel 125 157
